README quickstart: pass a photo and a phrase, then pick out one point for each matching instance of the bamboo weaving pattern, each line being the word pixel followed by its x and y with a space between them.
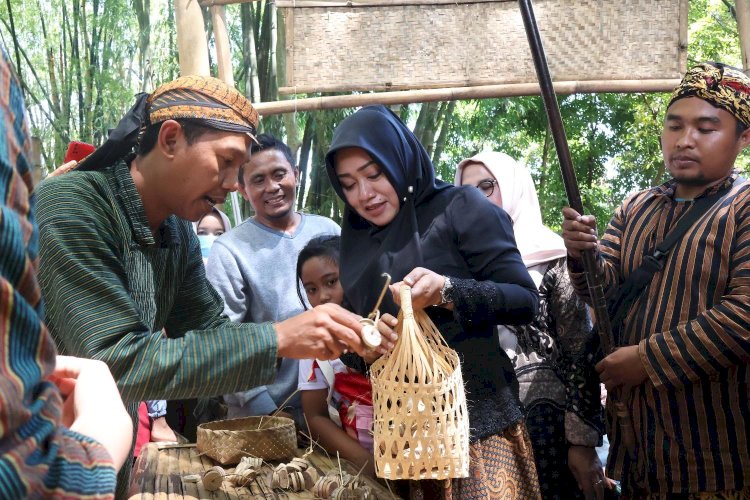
pixel 421 425
pixel 227 441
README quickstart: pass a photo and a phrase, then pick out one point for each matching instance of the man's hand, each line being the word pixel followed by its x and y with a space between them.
pixel 323 332
pixel 579 232
pixel 588 472
pixel 623 368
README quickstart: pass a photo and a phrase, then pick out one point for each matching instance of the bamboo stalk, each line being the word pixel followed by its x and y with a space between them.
pixel 211 3
pixel 221 37
pixel 743 27
pixel 458 93
pixel 683 36
pixel 191 38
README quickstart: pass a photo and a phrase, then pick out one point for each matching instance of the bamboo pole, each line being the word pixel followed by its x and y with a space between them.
pixel 211 3
pixel 345 3
pixel 458 93
pixel 191 38
pixel 221 37
pixel 743 27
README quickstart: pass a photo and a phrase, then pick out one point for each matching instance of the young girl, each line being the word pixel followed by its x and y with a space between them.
pixel 458 254
pixel 323 382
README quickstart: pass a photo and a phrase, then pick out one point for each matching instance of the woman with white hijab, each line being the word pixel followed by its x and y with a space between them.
pixel 552 356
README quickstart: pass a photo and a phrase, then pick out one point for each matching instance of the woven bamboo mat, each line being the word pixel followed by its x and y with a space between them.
pixel 408 44
pixel 158 475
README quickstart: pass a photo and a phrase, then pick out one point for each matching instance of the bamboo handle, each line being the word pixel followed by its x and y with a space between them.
pixel 406 306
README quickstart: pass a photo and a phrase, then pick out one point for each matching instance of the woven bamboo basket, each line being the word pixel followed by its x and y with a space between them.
pixel 421 425
pixel 227 441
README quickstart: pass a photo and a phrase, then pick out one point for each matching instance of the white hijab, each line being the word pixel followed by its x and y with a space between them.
pixel 536 242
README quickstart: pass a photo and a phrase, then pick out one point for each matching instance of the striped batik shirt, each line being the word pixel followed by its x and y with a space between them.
pixel 38 457
pixel 692 328
pixel 112 289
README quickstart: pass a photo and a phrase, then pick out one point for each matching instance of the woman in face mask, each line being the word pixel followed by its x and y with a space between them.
pixel 209 227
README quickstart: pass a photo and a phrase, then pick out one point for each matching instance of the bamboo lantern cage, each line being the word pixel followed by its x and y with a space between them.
pixel 406 51
pixel 421 424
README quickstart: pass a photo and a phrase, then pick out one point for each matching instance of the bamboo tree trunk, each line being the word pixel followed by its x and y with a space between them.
pixel 249 54
pixel 743 28
pixel 221 39
pixel 142 10
pixel 545 159
pixel 304 158
pixel 444 128
pixel 191 38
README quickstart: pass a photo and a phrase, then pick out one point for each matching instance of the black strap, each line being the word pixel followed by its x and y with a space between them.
pixel 634 285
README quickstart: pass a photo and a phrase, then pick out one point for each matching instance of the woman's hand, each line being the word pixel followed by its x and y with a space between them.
pixel 588 472
pixel 425 286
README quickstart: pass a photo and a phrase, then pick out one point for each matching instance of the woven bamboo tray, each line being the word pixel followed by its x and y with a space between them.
pixel 343 45
pixel 227 441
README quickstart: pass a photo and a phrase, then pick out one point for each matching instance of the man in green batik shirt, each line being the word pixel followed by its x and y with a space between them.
pixel 120 262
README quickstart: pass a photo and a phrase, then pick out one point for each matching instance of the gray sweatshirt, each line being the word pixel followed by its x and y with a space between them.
pixel 253 267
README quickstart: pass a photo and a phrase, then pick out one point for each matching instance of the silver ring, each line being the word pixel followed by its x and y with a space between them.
pixel 597 483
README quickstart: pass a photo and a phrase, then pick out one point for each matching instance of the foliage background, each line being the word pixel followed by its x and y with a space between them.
pixel 81 62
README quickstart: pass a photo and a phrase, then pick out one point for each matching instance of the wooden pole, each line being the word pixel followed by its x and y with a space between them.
pixel 743 28
pixel 211 3
pixel 191 38
pixel 221 37
pixel 458 93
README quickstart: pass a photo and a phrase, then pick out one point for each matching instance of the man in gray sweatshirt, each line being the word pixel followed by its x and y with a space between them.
pixel 253 266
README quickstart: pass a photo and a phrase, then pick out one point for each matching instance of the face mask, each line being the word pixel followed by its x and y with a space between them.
pixel 206 241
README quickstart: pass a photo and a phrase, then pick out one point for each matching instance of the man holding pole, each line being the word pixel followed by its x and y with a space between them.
pixel 682 359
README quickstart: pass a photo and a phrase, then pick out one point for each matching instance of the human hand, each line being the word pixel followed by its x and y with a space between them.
pixel 92 405
pixel 622 368
pixel 588 472
pixel 386 327
pixel 425 288
pixel 579 232
pixel 161 431
pixel 323 332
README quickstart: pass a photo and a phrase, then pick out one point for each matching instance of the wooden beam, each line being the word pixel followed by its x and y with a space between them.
pixel 743 28
pixel 211 3
pixel 453 94
pixel 192 47
pixel 223 52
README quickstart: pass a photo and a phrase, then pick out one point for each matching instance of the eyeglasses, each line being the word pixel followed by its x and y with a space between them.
pixel 487 186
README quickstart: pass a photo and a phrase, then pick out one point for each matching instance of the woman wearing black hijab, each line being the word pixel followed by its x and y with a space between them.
pixel 458 254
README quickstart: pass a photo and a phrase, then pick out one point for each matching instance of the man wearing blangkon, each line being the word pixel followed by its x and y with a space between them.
pixel 682 364
pixel 120 262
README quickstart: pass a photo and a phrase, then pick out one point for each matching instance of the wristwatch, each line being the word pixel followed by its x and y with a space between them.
pixel 446 293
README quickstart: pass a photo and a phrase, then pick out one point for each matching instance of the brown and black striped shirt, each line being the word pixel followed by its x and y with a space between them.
pixel 692 326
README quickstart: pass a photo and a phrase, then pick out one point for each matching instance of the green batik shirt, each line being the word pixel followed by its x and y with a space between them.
pixel 111 287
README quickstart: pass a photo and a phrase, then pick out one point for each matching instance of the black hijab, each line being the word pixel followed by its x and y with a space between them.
pixel 366 250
